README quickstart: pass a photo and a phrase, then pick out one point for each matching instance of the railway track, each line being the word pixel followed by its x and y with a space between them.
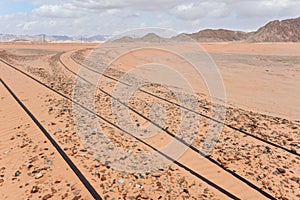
pixel 230 195
pixel 194 173
pixel 193 148
pixel 77 172
pixel 187 109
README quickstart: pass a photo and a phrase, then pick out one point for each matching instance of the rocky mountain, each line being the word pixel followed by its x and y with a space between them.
pixel 278 31
pixel 220 35
pixel 275 31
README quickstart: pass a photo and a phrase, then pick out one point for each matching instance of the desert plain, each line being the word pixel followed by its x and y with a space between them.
pixel 255 156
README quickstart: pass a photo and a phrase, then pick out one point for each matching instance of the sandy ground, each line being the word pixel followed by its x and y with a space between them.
pixel 259 78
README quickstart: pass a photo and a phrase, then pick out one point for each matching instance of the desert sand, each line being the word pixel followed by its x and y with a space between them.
pixel 261 82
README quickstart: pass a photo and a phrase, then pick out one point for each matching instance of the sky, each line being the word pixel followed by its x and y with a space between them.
pixel 111 17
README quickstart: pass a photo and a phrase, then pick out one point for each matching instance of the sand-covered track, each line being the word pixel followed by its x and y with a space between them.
pixel 78 173
pixel 212 184
pixel 193 148
pixel 176 162
pixel 234 128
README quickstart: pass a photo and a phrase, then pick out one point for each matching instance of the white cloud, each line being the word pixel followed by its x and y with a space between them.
pixel 57 11
pixel 193 11
pixel 108 16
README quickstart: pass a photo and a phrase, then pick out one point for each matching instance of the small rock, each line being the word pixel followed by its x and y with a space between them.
pixel 284 142
pixel 173 168
pixel 74 151
pixel 156 174
pixel 169 191
pixel 103 178
pixel 295 144
pixel 185 191
pixel 138 185
pixel 77 197
pixel 267 149
pixel 296 179
pixel 293 150
pixel 206 190
pixel 47 196
pixel 158 184
pixel 280 170
pixel 17 173
pixel 121 181
pixel 39 175
pixel 53 190
pixel 295 127
pixel 34 189
pixel 94 132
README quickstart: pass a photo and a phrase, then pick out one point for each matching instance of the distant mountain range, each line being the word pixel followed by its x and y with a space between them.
pixel 53 38
pixel 275 31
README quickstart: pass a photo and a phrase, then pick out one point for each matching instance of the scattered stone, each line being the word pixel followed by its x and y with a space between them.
pixel 94 132
pixel 156 174
pixel 34 189
pixel 296 179
pixel 293 150
pixel 53 190
pixel 103 178
pixel 74 151
pixel 281 170
pixel 206 190
pixel 185 191
pixel 158 184
pixel 17 173
pixel 121 181
pixel 295 144
pixel 47 196
pixel 173 168
pixel 138 185
pixel 254 121
pixel 169 191
pixel 295 127
pixel 39 175
pixel 284 142
pixel 77 197
pixel 267 149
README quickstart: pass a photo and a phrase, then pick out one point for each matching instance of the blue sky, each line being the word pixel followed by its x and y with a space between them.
pixel 11 7
pixel 92 17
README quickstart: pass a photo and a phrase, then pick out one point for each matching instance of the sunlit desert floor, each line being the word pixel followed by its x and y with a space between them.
pixel 256 151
